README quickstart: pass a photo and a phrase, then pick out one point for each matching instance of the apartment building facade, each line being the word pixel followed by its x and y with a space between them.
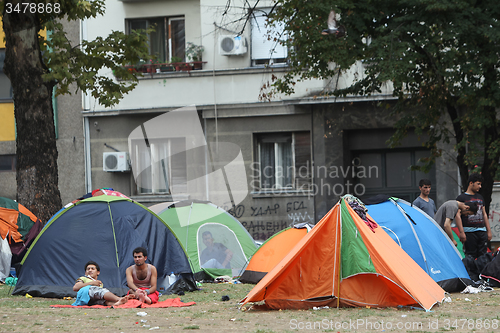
pixel 207 134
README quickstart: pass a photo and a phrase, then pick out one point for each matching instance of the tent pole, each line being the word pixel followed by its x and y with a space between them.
pixel 339 235
pixel 338 279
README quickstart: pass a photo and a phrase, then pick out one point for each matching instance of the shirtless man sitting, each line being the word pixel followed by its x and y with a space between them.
pixel 142 277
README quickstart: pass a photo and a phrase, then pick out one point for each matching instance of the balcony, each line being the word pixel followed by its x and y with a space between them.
pixel 159 68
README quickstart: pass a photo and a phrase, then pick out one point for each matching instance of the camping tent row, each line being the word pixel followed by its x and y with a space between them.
pixel 105 229
pixel 343 261
pixel 413 230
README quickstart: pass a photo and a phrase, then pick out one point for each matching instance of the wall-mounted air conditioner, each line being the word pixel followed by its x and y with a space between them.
pixel 232 45
pixel 115 162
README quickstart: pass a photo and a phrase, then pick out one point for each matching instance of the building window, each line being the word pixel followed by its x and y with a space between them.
pixel 168 39
pixel 163 166
pixel 265 51
pixel 5 86
pixel 388 172
pixel 283 161
pixel 8 162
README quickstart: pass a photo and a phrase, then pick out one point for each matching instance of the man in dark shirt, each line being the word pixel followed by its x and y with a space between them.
pixel 216 255
pixel 476 227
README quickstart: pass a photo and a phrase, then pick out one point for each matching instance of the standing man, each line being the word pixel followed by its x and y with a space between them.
pixel 142 277
pixel 453 210
pixel 423 201
pixel 476 227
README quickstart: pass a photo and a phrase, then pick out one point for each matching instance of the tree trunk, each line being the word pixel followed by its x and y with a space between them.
pixel 490 161
pixel 459 136
pixel 37 174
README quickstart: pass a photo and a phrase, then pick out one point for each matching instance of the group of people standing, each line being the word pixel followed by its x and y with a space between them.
pixel 141 279
pixel 468 212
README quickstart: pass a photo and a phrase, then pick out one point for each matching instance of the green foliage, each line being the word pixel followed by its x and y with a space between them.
pixel 194 52
pixel 88 65
pixel 441 57
pixel 176 59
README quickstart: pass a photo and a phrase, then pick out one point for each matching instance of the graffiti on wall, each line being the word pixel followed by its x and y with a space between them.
pixel 495 224
pixel 263 221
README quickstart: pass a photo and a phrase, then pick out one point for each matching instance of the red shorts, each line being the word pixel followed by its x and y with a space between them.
pixel 154 296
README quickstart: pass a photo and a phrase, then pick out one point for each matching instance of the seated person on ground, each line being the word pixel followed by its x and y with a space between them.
pixel 216 255
pixel 142 278
pixel 91 291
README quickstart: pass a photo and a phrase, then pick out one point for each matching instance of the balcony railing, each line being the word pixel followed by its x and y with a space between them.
pixel 157 68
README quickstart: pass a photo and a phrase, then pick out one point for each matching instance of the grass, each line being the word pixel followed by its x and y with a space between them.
pixel 21 314
pixel 209 293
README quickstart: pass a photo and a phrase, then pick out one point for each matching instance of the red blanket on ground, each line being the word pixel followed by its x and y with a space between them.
pixel 133 303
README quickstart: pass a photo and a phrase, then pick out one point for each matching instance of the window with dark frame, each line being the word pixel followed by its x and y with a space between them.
pixel 284 161
pixel 388 172
pixel 5 86
pixel 8 162
pixel 167 41
pixel 163 165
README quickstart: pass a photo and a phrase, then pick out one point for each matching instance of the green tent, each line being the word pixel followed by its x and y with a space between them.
pixel 216 243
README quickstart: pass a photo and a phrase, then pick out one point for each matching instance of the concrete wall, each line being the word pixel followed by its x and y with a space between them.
pixel 8 184
pixel 331 126
pixel 262 212
pixel 70 141
pixel 114 132
pixel 224 79
pixel 495 215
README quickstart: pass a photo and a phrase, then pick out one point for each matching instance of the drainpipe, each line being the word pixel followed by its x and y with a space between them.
pixel 207 192
pixel 86 127
pixel 86 151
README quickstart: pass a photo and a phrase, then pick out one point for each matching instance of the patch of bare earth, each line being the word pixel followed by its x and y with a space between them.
pixel 465 313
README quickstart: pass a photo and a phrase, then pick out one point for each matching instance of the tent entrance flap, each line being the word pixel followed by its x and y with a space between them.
pixel 215 242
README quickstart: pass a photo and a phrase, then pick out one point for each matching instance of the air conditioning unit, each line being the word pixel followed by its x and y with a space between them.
pixel 232 45
pixel 115 162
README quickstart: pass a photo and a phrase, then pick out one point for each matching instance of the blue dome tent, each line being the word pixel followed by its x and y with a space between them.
pixel 422 239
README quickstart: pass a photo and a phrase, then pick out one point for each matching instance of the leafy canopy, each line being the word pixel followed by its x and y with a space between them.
pixel 437 55
pixel 86 65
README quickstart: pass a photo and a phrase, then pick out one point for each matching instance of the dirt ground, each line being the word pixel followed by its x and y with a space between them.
pixel 465 313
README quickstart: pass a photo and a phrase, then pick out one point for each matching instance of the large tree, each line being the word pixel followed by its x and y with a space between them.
pixel 442 58
pixel 35 65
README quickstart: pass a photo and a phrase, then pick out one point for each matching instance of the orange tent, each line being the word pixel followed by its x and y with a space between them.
pixel 344 262
pixel 15 220
pixel 19 226
pixel 272 252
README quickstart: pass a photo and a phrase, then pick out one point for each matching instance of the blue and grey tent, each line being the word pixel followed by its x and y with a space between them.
pixel 105 229
pixel 422 239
